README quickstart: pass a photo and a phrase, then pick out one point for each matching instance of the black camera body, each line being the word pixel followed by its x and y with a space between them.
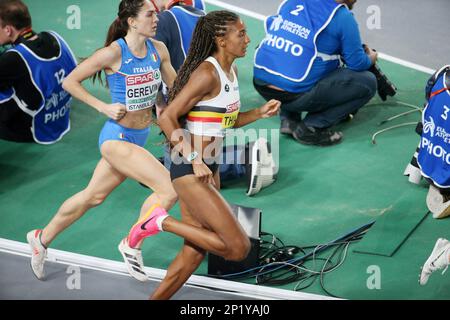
pixel 384 86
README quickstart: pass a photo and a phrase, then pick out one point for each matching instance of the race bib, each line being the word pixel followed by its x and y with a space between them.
pixel 141 90
pixel 231 115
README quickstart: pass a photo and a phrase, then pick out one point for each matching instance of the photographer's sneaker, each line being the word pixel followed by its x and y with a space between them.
pixel 316 136
pixel 149 225
pixel 412 171
pixel 133 260
pixel 287 126
pixel 38 253
pixel 437 260
pixel 438 203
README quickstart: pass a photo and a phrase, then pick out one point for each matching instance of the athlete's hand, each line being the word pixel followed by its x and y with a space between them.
pixel 115 111
pixel 270 109
pixel 203 173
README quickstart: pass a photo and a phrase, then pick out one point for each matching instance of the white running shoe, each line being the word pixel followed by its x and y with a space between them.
pixel 437 203
pixel 133 260
pixel 437 260
pixel 38 253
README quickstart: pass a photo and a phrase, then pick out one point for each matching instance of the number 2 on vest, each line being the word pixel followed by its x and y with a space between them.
pixel 298 10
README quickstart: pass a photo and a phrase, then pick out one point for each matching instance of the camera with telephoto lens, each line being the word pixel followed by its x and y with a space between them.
pixel 384 86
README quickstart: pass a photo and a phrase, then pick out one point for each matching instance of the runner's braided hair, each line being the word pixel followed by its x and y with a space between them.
pixel 203 45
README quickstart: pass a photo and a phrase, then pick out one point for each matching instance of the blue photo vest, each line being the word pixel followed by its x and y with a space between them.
pixel 199 4
pixel 6 95
pixel 289 48
pixel 51 119
pixel 434 148
pixel 186 21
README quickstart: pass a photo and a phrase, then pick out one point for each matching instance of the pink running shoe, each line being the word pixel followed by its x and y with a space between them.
pixel 147 226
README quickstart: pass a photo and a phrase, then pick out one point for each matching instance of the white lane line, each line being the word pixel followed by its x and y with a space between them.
pixel 116 267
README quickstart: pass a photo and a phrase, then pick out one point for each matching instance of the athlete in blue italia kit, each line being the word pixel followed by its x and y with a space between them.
pixel 134 65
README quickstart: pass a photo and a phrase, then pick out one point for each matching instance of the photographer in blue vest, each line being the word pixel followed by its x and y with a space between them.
pixel 175 27
pixel 177 21
pixel 432 159
pixel 33 104
pixel 300 62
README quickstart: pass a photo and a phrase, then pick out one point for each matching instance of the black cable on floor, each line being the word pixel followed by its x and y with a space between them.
pixel 278 264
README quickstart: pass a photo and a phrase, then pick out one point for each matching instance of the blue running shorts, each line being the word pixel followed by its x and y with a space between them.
pixel 114 131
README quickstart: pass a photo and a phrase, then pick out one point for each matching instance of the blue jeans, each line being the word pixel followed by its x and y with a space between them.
pixel 331 100
pixel 228 172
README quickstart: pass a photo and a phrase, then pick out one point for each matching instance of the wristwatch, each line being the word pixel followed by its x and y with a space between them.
pixel 192 156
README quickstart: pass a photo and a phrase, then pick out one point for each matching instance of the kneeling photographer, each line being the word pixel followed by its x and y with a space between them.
pixel 432 157
pixel 300 63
